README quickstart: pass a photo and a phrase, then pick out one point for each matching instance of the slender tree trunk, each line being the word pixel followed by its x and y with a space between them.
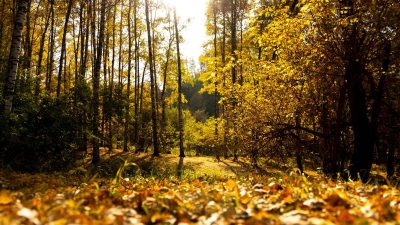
pixel 85 43
pixel 153 101
pixel 84 57
pixel 110 97
pixel 63 47
pixel 225 148
pixel 105 96
pixel 330 163
pixel 93 30
pixel 154 60
pixel 181 150
pixel 233 39
pixel 137 76
pixel 376 107
pixel 27 49
pixel 14 54
pixel 76 50
pixel 1 41
pixel 96 81
pixel 121 60
pixel 51 50
pixel 163 102
pixel 216 82
pixel 41 50
pixel 142 88
pixel 233 52
pixel 129 79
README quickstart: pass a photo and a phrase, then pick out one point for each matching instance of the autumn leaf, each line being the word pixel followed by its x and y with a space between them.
pixel 346 217
pixel 5 197
pixel 230 184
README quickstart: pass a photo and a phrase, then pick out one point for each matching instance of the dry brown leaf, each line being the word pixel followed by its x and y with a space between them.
pixel 346 217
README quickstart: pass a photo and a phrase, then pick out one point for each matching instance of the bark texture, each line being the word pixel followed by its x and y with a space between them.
pixel 14 54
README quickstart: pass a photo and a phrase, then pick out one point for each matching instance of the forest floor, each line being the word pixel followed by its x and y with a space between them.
pixel 140 189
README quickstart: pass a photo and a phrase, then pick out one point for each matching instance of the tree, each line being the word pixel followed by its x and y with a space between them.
pixel 216 79
pixel 96 82
pixel 50 64
pixel 14 55
pixel 129 78
pixel 63 47
pixel 152 82
pixel 181 150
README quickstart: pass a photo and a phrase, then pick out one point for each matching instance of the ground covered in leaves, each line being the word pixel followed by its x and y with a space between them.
pixel 79 198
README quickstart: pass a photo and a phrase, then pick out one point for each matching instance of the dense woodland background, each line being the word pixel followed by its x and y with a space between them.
pixel 308 80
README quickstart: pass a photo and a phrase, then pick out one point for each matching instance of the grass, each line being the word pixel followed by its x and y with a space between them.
pixel 165 165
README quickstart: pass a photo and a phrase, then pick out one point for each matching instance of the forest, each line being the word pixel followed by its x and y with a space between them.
pixel 290 116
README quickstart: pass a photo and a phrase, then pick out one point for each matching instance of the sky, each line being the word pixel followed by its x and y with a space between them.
pixel 195 32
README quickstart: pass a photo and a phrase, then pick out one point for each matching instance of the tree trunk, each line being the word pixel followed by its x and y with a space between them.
pixel 51 51
pixel 233 52
pixel 110 97
pixel 216 82
pixel 225 148
pixel 137 77
pixel 361 161
pixel 153 100
pixel 120 59
pixel 41 50
pixel 163 102
pixel 96 82
pixel 63 47
pixel 330 161
pixel 129 79
pixel 14 54
pixel 27 48
pixel 105 96
pixel 181 150
pixel 376 107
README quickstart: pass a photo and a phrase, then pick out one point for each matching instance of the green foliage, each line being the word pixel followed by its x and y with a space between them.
pixel 38 137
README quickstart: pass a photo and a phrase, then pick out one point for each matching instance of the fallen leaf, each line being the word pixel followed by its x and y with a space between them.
pixel 5 198
pixel 346 217
pixel 230 184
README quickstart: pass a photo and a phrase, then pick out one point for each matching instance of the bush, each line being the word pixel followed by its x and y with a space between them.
pixel 38 137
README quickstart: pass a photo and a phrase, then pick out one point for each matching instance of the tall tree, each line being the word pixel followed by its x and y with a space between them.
pixel 152 83
pixel 41 50
pixel 14 54
pixel 234 55
pixel 129 78
pixel 216 79
pixel 181 150
pixel 137 76
pixel 28 46
pixel 110 97
pixel 165 74
pixel 96 83
pixel 63 47
pixel 50 63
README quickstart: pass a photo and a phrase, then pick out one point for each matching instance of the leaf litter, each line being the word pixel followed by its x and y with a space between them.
pixel 291 199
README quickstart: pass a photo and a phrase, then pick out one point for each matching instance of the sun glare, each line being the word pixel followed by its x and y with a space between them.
pixel 194 33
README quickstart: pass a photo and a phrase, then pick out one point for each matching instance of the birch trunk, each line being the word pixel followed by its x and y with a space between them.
pixel 14 55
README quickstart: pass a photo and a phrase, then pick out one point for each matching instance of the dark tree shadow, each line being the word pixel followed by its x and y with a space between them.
pixel 230 167
pixel 180 165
